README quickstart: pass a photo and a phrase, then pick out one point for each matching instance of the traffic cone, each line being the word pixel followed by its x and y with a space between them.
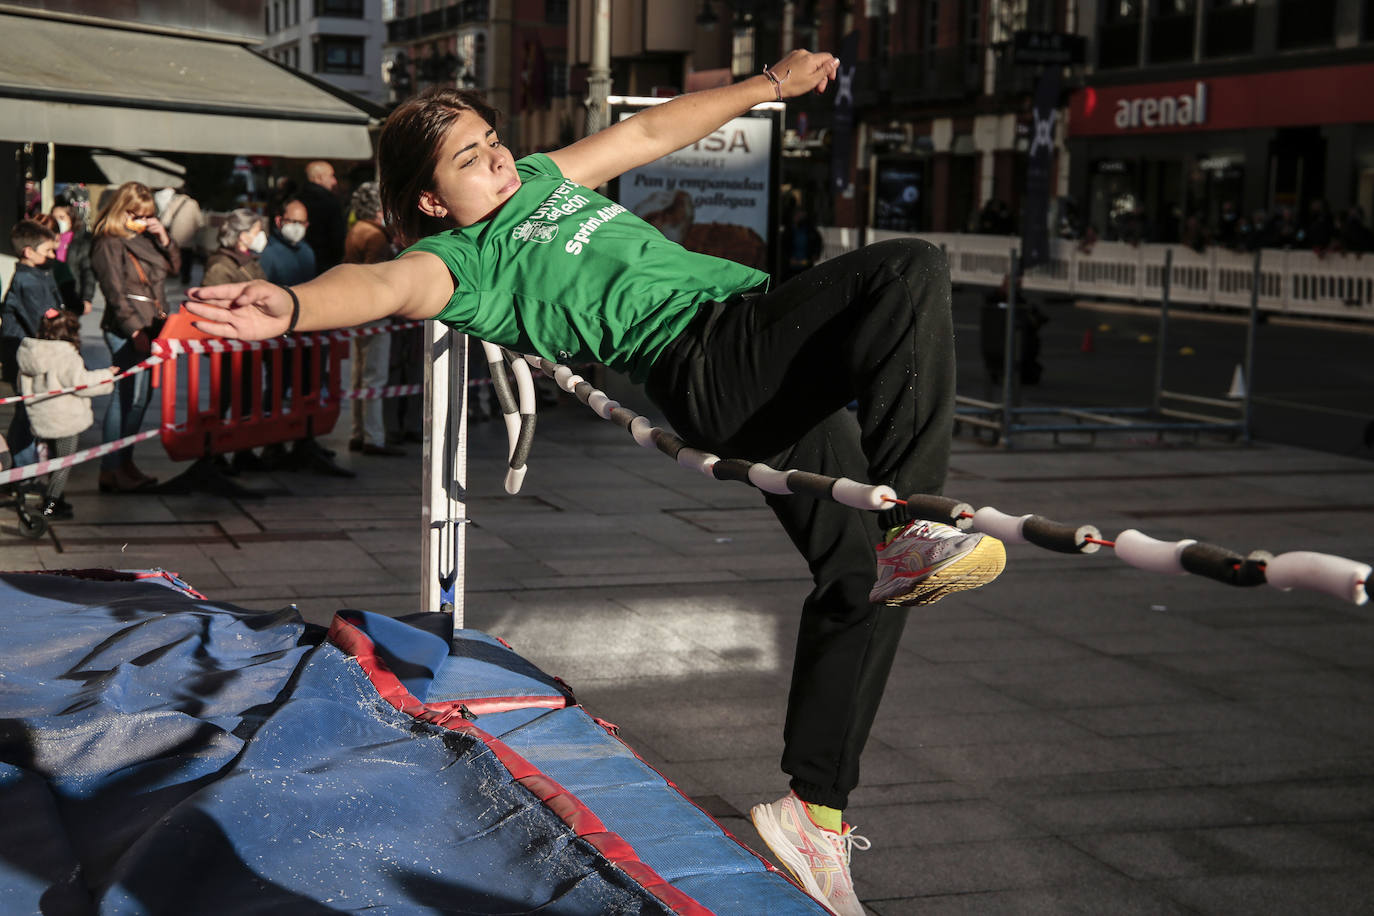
pixel 1088 341
pixel 1237 383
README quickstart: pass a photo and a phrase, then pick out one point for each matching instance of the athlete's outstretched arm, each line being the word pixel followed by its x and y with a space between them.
pixel 415 285
pixel 660 129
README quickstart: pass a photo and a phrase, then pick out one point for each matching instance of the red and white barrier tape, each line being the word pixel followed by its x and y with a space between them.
pixel 136 368
pixel 39 468
pixel 391 391
pixel 224 345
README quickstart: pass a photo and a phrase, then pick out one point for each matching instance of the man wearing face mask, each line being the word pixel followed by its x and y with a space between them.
pixel 288 258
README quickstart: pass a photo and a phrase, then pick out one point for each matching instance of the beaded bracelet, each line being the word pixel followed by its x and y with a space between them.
pixel 773 78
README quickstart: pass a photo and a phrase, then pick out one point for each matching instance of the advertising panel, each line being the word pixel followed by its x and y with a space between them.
pixel 717 196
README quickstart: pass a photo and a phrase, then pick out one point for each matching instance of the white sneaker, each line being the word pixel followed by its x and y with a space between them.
pixel 922 562
pixel 819 858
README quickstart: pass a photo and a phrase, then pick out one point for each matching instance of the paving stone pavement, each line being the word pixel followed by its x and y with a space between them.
pixel 1078 737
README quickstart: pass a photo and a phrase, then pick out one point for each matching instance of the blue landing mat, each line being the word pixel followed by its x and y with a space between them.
pixel 161 753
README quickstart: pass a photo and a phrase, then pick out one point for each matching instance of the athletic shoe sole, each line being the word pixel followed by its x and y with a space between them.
pixel 976 568
pixel 771 832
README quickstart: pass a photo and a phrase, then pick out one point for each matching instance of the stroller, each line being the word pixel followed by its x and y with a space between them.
pixel 25 496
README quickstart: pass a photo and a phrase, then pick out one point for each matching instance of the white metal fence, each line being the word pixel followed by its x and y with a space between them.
pixel 1290 282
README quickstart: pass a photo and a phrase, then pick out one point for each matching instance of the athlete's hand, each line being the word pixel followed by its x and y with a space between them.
pixel 805 71
pixel 255 310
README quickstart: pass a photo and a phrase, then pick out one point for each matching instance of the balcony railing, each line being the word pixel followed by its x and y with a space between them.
pixel 423 25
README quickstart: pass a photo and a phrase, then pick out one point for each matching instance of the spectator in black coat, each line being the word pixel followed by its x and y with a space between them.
pixel 327 228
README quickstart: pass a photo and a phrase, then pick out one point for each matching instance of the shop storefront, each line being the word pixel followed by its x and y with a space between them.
pixel 1147 157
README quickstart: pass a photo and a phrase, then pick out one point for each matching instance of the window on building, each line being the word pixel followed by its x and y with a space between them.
pixel 930 34
pixel 267 19
pixel 1230 28
pixel 338 54
pixel 472 60
pixel 1173 24
pixel 556 11
pixel 349 9
pixel 556 76
pixel 1118 34
pixel 742 48
pixel 1306 24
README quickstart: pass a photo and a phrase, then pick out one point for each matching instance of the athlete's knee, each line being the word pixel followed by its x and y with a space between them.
pixel 909 255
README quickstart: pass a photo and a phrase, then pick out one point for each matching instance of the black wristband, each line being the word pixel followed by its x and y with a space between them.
pixel 295 309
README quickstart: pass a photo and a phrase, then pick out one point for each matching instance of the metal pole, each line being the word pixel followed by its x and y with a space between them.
pixel 1250 347
pixel 599 74
pixel 1163 326
pixel 49 184
pixel 1009 350
pixel 444 456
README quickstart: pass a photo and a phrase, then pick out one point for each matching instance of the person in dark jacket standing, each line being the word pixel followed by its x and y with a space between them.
pixel 327 226
pixel 132 255
pixel 33 291
pixel 288 258
pixel 74 248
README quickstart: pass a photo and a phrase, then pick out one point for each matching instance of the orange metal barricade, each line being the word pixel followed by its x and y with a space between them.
pixel 215 420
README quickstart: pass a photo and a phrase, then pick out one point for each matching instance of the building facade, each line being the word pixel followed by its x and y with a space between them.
pixel 336 41
pixel 513 51
pixel 1204 113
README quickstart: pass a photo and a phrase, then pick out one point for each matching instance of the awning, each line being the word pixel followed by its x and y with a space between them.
pixel 104 86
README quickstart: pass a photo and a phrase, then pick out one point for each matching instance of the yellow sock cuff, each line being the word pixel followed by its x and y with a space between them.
pixel 827 818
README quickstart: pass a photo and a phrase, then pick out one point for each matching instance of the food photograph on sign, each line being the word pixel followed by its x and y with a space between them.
pixel 712 196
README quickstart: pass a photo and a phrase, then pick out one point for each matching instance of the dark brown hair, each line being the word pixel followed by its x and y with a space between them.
pixel 408 151
pixel 29 233
pixel 64 325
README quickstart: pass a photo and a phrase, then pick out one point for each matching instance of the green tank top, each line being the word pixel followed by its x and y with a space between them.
pixel 565 273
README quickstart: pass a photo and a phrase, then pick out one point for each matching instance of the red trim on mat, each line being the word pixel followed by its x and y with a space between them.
pixel 579 818
pixel 483 705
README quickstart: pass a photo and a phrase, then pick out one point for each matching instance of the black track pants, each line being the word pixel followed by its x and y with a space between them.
pixel 767 377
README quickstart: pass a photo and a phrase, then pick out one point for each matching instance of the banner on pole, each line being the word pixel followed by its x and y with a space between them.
pixel 1035 208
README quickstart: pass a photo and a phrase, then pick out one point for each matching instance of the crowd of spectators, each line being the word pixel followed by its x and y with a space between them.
pixel 141 240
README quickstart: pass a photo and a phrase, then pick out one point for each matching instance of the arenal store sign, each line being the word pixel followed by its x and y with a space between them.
pixel 1318 95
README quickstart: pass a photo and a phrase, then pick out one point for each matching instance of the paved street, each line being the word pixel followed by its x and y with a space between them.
pixel 1078 737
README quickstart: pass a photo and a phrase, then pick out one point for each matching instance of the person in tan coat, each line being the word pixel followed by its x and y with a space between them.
pixel 368 243
pixel 132 256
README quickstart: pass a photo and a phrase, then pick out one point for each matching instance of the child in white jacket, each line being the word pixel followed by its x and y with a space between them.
pixel 50 361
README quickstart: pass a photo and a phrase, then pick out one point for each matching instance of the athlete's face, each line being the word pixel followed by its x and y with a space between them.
pixel 474 176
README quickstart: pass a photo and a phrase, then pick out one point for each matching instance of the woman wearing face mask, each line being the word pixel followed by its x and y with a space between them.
pixel 74 249
pixel 241 239
pixel 132 255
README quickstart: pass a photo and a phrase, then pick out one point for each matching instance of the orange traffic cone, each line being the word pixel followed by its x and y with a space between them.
pixel 1088 341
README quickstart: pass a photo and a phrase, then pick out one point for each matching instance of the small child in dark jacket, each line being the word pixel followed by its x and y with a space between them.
pixel 32 292
pixel 50 361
